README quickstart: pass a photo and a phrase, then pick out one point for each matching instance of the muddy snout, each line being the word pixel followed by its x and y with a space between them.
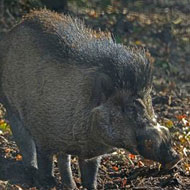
pixel 155 144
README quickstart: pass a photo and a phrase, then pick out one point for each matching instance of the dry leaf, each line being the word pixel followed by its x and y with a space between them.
pixel 18 157
pixel 131 156
pixel 115 168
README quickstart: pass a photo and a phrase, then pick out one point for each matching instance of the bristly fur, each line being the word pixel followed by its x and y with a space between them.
pixel 129 68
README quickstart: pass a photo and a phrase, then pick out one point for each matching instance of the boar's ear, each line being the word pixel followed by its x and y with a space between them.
pixel 102 88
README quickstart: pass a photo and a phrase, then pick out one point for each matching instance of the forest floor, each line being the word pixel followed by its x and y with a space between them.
pixel 166 34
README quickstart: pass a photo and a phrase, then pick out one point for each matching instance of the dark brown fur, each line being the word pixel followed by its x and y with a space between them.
pixel 71 90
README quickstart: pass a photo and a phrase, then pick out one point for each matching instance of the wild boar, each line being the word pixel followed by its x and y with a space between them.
pixel 70 90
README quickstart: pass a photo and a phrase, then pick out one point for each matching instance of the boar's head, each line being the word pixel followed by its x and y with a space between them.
pixel 130 123
pixel 124 116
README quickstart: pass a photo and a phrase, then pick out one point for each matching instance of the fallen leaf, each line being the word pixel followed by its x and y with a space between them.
pixel 168 123
pixel 7 150
pixel 177 21
pixel 33 188
pixel 18 157
pixel 2 121
pixel 131 156
pixel 185 122
pixel 138 42
pixel 180 117
pixel 115 168
pixel 124 182
pixel 140 164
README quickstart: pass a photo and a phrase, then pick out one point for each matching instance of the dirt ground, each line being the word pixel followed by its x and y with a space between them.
pixel 120 170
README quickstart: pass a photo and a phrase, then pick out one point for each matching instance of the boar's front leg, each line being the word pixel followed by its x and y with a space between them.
pixel 64 164
pixel 89 169
pixel 45 168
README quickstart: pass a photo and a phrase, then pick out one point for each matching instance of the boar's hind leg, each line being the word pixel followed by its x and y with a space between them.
pixel 45 175
pixel 64 164
pixel 89 169
pixel 24 142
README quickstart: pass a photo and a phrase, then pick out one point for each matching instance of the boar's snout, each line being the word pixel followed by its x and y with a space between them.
pixel 154 143
pixel 168 156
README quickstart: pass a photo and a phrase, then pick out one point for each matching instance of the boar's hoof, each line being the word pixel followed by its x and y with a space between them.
pixel 37 180
pixel 69 188
pixel 31 173
pixel 48 181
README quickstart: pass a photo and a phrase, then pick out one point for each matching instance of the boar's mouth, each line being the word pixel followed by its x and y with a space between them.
pixel 171 164
pixel 164 153
pixel 168 157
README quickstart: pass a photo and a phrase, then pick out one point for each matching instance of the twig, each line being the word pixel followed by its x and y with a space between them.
pixel 140 188
pixel 4 139
pixel 145 188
